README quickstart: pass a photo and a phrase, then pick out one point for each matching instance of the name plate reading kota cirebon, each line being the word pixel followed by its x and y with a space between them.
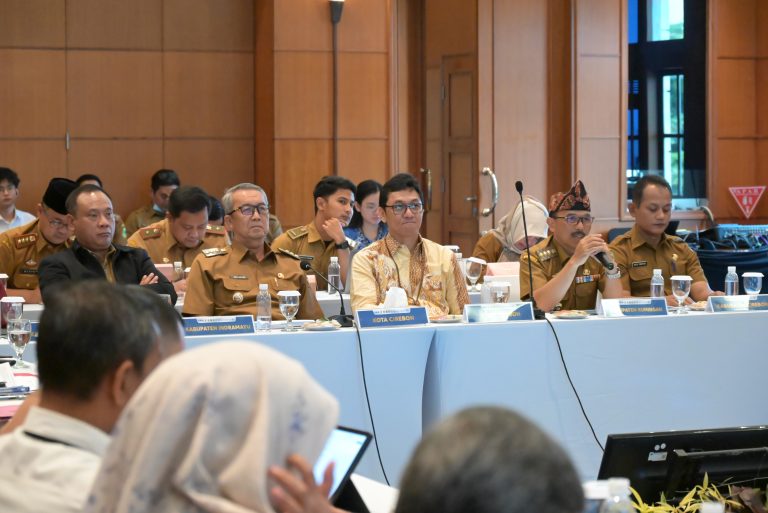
pixel 386 317
pixel 226 325
pixel 498 312
pixel 744 303
pixel 634 307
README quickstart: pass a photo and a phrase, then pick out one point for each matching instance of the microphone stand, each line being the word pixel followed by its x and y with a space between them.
pixel 343 319
pixel 537 312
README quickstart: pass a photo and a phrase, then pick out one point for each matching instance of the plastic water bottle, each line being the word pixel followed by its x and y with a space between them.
pixel 334 275
pixel 263 308
pixel 712 507
pixel 731 282
pixel 618 497
pixel 657 284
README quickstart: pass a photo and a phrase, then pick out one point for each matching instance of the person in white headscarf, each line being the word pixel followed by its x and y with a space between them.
pixel 506 242
pixel 203 430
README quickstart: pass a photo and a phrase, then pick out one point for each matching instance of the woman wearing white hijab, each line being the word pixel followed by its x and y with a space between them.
pixel 204 428
pixel 506 242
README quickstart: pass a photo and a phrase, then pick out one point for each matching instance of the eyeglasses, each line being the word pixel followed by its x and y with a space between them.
pixel 399 208
pixel 56 224
pixel 248 210
pixel 10 188
pixel 574 219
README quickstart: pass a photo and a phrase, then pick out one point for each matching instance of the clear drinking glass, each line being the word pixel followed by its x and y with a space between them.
pixel 289 307
pixel 753 283
pixel 19 333
pixel 681 287
pixel 474 268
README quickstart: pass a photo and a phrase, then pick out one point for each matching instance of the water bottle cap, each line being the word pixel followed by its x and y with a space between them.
pixel 263 286
pixel 657 272
pixel 711 507
pixel 731 268
pixel 334 259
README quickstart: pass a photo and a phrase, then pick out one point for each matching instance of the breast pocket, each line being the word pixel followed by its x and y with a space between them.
pixel 433 283
pixel 640 280
pixel 236 292
pixel 587 290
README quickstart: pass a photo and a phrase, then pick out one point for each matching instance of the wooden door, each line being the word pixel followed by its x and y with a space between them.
pixel 459 152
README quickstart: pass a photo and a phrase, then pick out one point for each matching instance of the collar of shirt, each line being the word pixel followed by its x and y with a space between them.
pixel 561 253
pixel 393 245
pixel 240 252
pixel 65 429
pixel 157 209
pixel 637 239
pixel 169 241
pixel 17 218
pixel 313 235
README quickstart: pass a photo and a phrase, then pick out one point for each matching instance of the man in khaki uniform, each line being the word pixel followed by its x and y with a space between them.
pixel 324 236
pixel 563 273
pixel 163 183
pixel 225 281
pixel 647 247
pixel 183 234
pixel 22 248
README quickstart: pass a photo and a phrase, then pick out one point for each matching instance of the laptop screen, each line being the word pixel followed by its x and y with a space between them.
pixel 344 447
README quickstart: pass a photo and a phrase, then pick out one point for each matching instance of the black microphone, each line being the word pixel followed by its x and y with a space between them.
pixel 537 312
pixel 343 319
pixel 603 259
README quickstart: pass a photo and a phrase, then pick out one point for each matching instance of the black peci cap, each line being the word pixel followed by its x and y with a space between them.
pixel 55 196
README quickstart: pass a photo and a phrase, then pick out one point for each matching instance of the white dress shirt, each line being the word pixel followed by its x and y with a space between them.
pixel 20 219
pixel 54 469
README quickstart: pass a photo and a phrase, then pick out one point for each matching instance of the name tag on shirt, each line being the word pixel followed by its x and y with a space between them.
pixel 742 303
pixel 388 317
pixel 633 307
pixel 227 325
pixel 499 312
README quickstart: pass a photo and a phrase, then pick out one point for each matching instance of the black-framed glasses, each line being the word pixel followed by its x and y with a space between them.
pixel 56 224
pixel 574 219
pixel 399 208
pixel 248 210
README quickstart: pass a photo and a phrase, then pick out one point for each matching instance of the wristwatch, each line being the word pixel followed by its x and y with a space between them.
pixel 614 276
pixel 343 245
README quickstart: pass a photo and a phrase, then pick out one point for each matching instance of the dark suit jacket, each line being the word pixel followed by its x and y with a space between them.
pixel 77 263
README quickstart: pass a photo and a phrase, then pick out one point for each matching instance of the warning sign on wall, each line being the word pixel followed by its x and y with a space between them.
pixel 747 197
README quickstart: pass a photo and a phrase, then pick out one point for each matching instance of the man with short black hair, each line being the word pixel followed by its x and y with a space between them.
pixel 647 246
pixel 10 216
pixel 92 255
pixel 183 234
pixel 427 271
pixel 96 344
pixel 163 184
pixel 22 248
pixel 121 234
pixel 324 236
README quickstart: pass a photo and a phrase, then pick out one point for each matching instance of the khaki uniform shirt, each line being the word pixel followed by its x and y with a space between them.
pixel 225 281
pixel 140 218
pixel 158 241
pixel 547 259
pixel 305 240
pixel 637 258
pixel 21 250
pixel 430 276
pixel 275 228
pixel 121 233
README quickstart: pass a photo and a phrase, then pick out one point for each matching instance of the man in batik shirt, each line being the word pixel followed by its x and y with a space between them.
pixel 427 271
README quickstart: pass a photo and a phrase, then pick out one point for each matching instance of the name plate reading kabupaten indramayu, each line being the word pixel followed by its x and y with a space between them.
pixel 387 317
pixel 499 312
pixel 634 307
pixel 742 303
pixel 225 325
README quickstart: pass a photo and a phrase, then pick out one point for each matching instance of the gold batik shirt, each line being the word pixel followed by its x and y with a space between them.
pixel 547 259
pixel 430 276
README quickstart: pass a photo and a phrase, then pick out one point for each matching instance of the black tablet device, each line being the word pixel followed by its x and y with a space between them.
pixel 344 447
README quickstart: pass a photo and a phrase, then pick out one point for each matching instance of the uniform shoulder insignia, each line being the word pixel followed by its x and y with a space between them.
pixel 150 233
pixel 545 254
pixel 216 229
pixel 212 252
pixel 24 241
pixel 299 231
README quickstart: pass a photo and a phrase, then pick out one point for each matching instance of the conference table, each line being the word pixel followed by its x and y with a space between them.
pixel 638 374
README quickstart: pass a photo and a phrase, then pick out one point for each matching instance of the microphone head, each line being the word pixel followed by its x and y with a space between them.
pixel 519 186
pixel 305 265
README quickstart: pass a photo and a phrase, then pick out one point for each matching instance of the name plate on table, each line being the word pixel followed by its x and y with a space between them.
pixel 386 317
pixel 498 312
pixel 719 304
pixel 35 325
pixel 634 307
pixel 227 325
